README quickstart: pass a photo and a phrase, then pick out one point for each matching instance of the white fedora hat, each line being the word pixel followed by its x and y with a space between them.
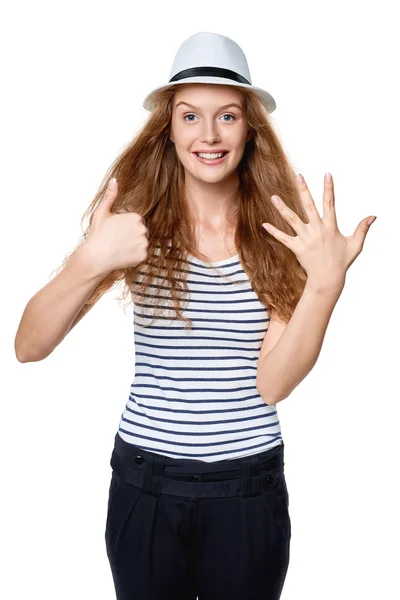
pixel 207 57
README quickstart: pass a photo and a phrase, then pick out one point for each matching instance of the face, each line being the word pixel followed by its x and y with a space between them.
pixel 205 119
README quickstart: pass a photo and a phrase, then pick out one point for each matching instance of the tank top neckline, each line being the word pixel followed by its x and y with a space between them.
pixel 217 263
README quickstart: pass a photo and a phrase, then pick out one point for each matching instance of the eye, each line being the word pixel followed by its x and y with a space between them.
pixel 225 115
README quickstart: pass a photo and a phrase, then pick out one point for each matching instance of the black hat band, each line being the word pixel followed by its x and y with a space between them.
pixel 210 71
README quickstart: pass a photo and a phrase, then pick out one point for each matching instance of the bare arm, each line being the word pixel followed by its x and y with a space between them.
pixel 57 307
pixel 295 353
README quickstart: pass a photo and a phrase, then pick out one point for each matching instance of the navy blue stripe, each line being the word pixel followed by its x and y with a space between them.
pixel 184 401
pixel 139 374
pixel 194 337
pixel 227 432
pixel 207 368
pixel 227 312
pixel 181 328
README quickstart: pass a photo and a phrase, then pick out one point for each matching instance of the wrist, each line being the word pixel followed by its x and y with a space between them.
pixel 333 285
pixel 87 259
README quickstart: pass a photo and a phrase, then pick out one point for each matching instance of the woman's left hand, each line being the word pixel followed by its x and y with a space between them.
pixel 319 246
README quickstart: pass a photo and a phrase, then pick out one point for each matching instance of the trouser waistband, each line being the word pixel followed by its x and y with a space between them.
pixel 157 474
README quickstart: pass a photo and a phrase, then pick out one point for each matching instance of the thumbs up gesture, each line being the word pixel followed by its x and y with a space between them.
pixel 116 241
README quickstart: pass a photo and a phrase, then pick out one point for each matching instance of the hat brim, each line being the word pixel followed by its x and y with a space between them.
pixel 266 98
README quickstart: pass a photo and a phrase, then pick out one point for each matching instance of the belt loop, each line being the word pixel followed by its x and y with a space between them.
pixel 255 483
pixel 147 475
pixel 246 477
pixel 155 475
pixel 251 482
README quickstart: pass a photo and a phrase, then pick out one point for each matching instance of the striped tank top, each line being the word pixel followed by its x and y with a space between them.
pixel 194 393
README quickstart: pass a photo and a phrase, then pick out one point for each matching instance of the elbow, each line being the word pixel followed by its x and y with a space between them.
pixel 18 353
pixel 24 357
pixel 271 399
pixel 268 399
pixel 19 348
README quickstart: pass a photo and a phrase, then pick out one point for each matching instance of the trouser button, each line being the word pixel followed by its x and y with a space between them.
pixel 268 482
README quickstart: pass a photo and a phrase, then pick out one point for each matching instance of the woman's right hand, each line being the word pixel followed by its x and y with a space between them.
pixel 116 241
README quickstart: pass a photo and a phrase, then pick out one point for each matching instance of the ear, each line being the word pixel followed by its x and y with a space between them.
pixel 249 136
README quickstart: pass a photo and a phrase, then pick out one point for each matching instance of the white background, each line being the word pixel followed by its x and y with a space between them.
pixel 74 77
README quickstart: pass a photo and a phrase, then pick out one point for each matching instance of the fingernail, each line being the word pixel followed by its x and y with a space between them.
pixel 111 183
pixel 275 199
pixel 371 220
pixel 328 177
pixel 299 178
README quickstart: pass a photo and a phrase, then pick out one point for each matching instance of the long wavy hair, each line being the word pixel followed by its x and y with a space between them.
pixel 151 182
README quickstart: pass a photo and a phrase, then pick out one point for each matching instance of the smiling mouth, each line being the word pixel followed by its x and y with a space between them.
pixel 211 161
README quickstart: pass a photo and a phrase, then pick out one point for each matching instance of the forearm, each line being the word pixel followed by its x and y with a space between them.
pixel 298 348
pixel 49 313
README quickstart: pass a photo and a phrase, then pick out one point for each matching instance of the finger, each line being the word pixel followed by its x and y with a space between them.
pixel 356 241
pixel 291 217
pixel 147 231
pixel 286 239
pixel 329 214
pixel 307 200
pixel 105 205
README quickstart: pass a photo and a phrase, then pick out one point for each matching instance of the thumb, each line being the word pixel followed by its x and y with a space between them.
pixel 361 231
pixel 104 208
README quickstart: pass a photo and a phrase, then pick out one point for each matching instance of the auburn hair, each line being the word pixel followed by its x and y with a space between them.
pixel 151 182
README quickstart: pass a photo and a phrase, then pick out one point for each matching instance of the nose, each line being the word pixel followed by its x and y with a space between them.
pixel 210 132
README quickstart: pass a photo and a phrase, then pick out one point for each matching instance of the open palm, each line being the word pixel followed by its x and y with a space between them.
pixel 323 251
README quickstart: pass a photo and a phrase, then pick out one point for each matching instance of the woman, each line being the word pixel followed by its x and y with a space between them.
pixel 198 502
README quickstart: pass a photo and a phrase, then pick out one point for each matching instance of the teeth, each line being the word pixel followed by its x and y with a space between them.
pixel 210 156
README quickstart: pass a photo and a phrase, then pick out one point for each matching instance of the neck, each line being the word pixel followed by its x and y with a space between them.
pixel 212 205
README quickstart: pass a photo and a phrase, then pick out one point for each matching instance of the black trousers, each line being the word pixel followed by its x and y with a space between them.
pixel 180 529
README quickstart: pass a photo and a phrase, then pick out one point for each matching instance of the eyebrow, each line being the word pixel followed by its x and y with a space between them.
pixel 220 108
